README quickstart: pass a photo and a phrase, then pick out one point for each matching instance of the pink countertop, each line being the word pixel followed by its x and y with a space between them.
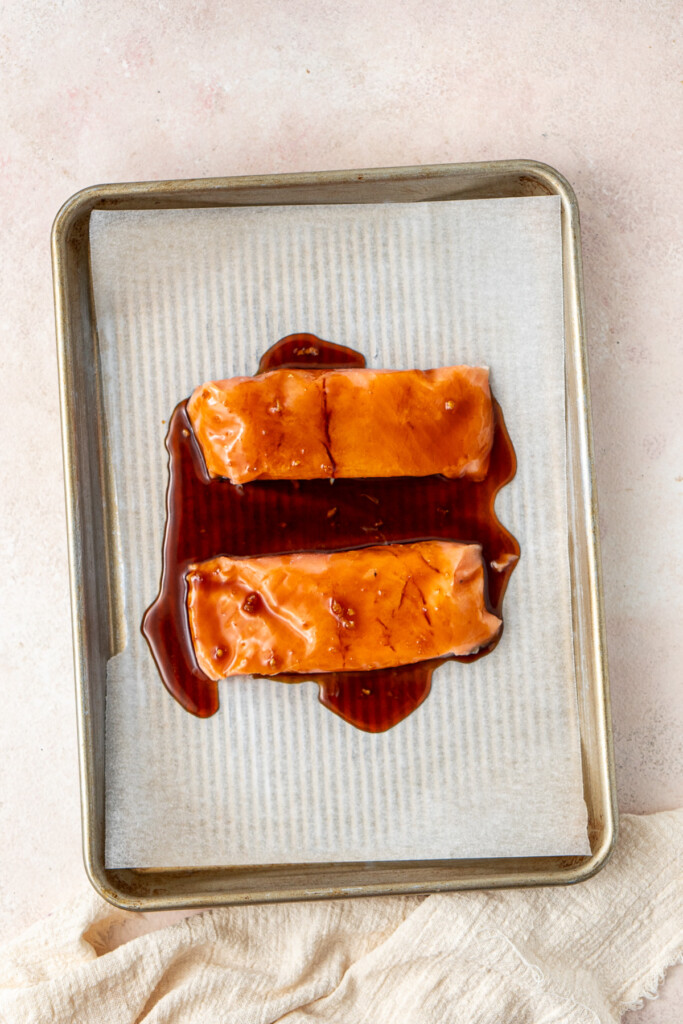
pixel 113 92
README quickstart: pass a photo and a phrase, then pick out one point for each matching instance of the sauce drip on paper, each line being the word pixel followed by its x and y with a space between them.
pixel 207 517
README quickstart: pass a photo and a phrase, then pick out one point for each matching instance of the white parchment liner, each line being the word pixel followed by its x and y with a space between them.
pixel 490 764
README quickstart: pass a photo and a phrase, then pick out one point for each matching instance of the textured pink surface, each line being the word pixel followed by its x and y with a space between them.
pixel 107 92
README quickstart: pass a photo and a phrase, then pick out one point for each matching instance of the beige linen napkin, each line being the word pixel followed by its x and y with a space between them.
pixel 576 954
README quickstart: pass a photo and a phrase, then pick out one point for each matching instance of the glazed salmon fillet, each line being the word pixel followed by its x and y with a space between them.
pixel 369 608
pixel 307 424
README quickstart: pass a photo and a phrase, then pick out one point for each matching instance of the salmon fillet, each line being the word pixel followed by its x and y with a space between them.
pixel 305 424
pixel 364 609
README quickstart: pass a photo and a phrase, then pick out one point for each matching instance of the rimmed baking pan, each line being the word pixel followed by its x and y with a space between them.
pixel 91 538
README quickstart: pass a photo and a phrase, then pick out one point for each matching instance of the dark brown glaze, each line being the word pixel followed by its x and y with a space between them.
pixel 307 352
pixel 209 517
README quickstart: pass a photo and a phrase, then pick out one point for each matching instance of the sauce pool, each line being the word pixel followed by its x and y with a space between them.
pixel 207 517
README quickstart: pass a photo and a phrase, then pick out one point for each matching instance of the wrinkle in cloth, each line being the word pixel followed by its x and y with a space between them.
pixel 578 954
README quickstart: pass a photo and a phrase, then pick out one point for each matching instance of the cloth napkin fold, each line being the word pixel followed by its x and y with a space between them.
pixel 575 954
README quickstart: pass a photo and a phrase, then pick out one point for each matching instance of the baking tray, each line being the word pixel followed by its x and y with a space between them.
pixel 90 520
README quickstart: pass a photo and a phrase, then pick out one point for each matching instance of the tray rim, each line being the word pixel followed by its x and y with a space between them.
pixel 122 887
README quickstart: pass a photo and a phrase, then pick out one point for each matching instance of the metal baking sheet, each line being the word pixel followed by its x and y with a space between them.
pixel 91 517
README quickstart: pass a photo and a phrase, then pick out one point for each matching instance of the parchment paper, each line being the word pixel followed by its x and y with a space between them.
pixel 490 764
